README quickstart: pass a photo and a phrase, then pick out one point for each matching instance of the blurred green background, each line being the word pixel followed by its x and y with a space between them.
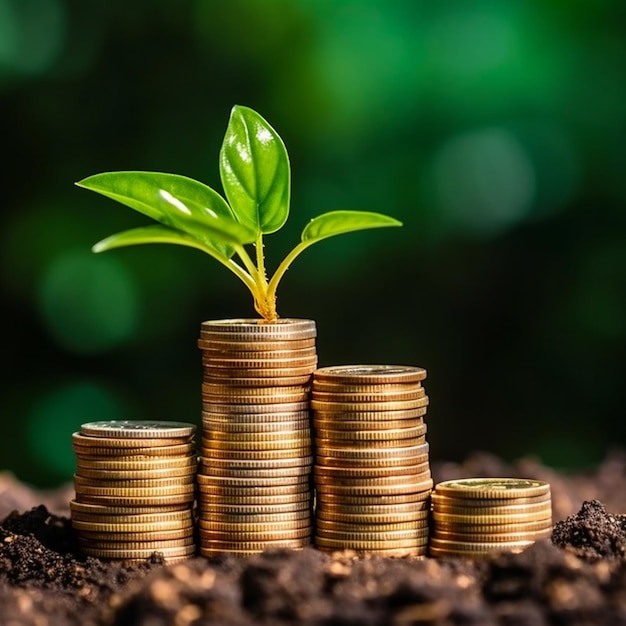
pixel 495 131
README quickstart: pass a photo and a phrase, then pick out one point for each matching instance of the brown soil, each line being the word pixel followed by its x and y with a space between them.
pixel 579 577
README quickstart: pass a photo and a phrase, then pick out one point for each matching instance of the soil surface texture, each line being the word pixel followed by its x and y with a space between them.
pixel 577 577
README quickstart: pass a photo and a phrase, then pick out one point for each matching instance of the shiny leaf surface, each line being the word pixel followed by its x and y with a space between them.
pixel 176 201
pixel 154 234
pixel 340 222
pixel 255 171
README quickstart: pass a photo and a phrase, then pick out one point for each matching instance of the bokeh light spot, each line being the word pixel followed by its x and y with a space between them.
pixel 88 302
pixel 484 181
pixel 59 413
pixel 32 34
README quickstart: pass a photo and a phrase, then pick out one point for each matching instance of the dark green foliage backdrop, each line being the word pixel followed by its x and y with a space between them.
pixel 495 131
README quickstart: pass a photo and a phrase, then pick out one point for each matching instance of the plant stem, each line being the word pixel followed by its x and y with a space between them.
pixel 284 266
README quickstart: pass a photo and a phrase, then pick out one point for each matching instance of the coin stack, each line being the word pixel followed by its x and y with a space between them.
pixel 372 473
pixel 254 479
pixel 476 517
pixel 135 489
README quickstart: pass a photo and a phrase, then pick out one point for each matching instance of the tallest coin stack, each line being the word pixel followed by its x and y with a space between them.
pixel 254 478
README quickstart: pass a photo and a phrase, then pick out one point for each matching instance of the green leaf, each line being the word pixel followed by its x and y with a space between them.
pixel 340 222
pixel 255 171
pixel 154 234
pixel 176 201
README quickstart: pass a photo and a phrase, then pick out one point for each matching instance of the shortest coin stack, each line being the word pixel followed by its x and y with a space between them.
pixel 135 489
pixel 476 517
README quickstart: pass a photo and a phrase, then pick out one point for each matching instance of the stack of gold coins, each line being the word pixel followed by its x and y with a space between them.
pixel 135 489
pixel 254 479
pixel 476 517
pixel 372 473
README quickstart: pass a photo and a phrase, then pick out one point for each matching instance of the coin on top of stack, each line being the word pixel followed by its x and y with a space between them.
pixel 372 473
pixel 476 517
pixel 254 479
pixel 135 489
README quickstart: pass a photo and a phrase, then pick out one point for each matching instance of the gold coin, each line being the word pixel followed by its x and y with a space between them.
pixel 223 351
pixel 231 481
pixel 370 416
pixel 324 444
pixel 508 509
pixel 259 329
pixel 215 509
pixel 235 347
pixel 476 503
pixel 417 553
pixel 225 390
pixel 375 489
pixel 275 380
pixel 413 536
pixel 260 490
pixel 497 528
pixel 87 515
pixel 259 475
pixel 351 425
pixel 366 397
pixel 149 464
pixel 151 543
pixel 293 443
pixel 366 520
pixel 344 483
pixel 93 537
pixel 297 463
pixel 232 546
pixel 209 535
pixel 451 518
pixel 480 546
pixel 237 363
pixel 371 472
pixel 213 417
pixel 251 410
pixel 89 441
pixel 135 527
pixel 371 374
pixel 382 499
pixel 83 508
pixel 277 399
pixel 491 537
pixel 184 483
pixel 266 454
pixel 134 492
pixel 329 462
pixel 371 435
pixel 419 508
pixel 300 518
pixel 99 452
pixel 356 387
pixel 482 488
pixel 347 406
pixel 362 527
pixel 138 429
pixel 300 435
pixel 265 497
pixel 372 453
pixel 136 501
pixel 438 553
pixel 234 429
pixel 106 475
pixel 355 544
pixel 271 371
pixel 123 554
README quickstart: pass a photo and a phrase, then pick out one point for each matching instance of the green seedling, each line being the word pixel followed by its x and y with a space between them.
pixel 256 177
